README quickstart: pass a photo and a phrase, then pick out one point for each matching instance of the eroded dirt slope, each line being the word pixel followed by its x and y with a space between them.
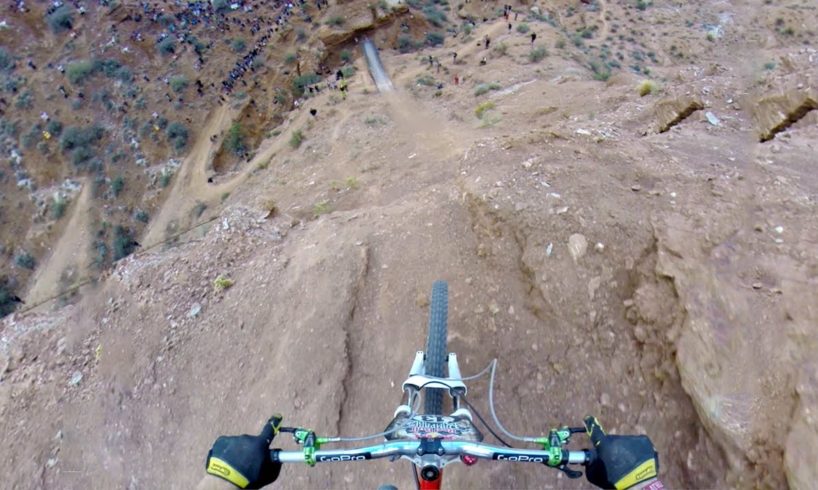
pixel 663 281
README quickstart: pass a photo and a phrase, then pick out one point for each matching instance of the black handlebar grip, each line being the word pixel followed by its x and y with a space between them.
pixel 594 429
pixel 271 428
pixel 274 455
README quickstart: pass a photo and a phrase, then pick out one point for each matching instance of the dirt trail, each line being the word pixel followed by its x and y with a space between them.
pixel 72 251
pixel 191 186
pixel 610 269
pixel 603 10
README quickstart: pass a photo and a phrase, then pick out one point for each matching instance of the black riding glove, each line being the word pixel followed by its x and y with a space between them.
pixel 621 461
pixel 245 460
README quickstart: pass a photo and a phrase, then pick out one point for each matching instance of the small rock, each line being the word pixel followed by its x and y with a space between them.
pixel 605 400
pixel 757 285
pixel 779 229
pixel 194 310
pixel 511 310
pixel 712 119
pixel 469 280
pixel 583 132
pixel 75 379
pixel 51 462
pixel 534 347
pixel 775 148
pixel 493 308
pixel 548 249
pixel 62 344
pixel 599 247
pixel 562 210
pixel 577 246
pixel 640 333
pixel 636 187
pixel 422 300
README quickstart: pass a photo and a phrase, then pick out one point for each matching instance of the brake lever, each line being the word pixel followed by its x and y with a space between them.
pixel 572 474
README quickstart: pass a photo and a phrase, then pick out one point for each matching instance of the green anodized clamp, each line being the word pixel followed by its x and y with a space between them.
pixel 553 444
pixel 311 443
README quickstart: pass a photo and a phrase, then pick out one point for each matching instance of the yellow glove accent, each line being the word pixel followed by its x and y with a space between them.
pixel 644 471
pixel 220 468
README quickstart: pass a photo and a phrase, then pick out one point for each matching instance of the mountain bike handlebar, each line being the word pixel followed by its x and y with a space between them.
pixel 439 448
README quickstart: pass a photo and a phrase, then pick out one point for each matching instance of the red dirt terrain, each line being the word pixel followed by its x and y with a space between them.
pixel 624 243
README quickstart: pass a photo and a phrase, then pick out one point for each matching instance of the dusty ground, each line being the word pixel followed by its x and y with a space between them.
pixel 688 315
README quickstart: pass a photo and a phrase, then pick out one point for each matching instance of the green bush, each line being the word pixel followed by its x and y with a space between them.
pixel 602 71
pixel 54 127
pixel 345 56
pixel 406 44
pixel 25 260
pixel 101 256
pixel 58 206
pixel 198 209
pixel 30 138
pixel 164 178
pixel 80 156
pixel 124 75
pixel 179 83
pixel 434 38
pixel 348 71
pixel 6 60
pixel 642 4
pixel 108 67
pixel 74 137
pixel 79 71
pixel 434 16
pixel 117 185
pixel 646 87
pixel 7 298
pixel 482 108
pixel 304 80
pixel 335 21
pixel 167 46
pixel 25 100
pixel 235 140
pixel 522 28
pixel 426 80
pixel 290 58
pixel 296 138
pixel 61 19
pixel 221 5
pixel 238 45
pixel 123 243
pixel 177 135
pixel 485 88
pixel 141 216
pixel 537 54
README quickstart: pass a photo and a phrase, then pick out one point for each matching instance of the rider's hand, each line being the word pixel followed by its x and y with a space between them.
pixel 245 460
pixel 621 461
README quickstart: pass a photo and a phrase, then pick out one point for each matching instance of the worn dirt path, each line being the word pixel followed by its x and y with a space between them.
pixel 71 251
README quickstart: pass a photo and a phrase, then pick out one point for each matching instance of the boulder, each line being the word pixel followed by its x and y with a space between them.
pixel 776 112
pixel 673 110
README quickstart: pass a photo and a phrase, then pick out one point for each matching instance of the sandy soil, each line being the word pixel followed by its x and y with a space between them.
pixel 695 242
pixel 70 253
